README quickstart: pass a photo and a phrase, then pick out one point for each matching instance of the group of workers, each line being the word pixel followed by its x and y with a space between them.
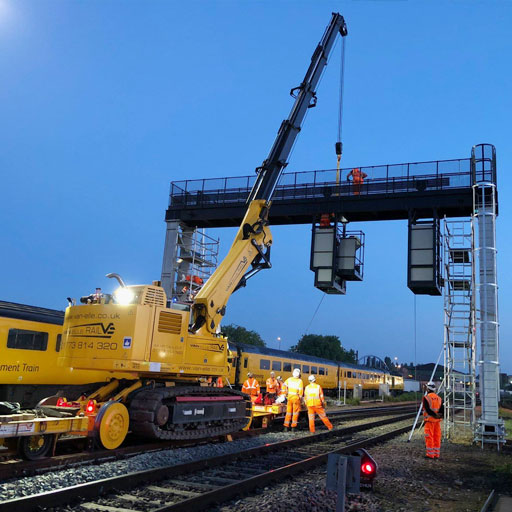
pixel 294 392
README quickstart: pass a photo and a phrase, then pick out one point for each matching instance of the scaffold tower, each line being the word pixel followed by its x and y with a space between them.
pixel 490 428
pixel 459 326
pixel 190 257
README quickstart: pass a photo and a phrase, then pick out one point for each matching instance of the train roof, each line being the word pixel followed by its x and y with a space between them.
pixel 265 351
pixel 31 313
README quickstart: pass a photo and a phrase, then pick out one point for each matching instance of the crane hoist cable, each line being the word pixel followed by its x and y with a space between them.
pixel 316 311
pixel 339 144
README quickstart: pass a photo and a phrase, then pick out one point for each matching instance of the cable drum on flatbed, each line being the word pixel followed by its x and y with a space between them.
pixel 188 412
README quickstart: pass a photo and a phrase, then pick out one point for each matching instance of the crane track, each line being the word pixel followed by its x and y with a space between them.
pixel 11 468
pixel 195 485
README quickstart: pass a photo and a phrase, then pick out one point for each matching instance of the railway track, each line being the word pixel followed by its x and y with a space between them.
pixel 197 485
pixel 12 468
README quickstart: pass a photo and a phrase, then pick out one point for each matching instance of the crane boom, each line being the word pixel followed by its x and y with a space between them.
pixel 305 97
pixel 253 241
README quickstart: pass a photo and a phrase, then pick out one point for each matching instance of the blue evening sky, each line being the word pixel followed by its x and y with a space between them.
pixel 104 102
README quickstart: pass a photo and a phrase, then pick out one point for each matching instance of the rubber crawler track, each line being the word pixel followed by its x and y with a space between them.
pixel 145 404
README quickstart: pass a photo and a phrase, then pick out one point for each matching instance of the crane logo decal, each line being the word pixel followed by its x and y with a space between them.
pixel 209 347
pixel 95 330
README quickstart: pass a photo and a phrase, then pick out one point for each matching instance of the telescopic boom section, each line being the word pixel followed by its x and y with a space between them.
pixel 252 243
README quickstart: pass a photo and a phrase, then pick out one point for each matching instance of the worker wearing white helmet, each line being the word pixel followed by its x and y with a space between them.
pixel 251 386
pixel 293 389
pixel 315 402
pixel 433 411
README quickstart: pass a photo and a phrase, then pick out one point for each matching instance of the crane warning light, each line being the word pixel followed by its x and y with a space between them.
pixel 90 407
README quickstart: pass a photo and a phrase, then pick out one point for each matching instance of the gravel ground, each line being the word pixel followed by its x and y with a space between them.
pixel 86 473
pixel 406 482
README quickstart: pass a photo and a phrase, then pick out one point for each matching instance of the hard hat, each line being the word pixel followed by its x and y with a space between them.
pixel 249 374
pixel 272 374
pixel 431 385
pixel 296 373
pixel 311 378
pixel 279 377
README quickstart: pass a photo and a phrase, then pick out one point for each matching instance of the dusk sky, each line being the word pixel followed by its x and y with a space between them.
pixel 105 102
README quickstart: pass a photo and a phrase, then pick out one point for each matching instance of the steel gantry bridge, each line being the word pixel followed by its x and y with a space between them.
pixel 390 192
pixel 414 191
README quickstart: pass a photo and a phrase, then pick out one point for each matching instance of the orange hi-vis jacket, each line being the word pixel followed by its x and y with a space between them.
pixel 272 385
pixel 251 387
pixel 293 387
pixel 358 176
pixel 434 402
pixel 314 395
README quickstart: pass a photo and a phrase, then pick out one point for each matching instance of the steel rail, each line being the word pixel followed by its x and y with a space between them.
pixel 91 490
pixel 223 494
pixel 12 469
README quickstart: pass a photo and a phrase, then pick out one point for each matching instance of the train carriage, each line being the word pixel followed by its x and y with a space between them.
pixel 30 344
pixel 332 376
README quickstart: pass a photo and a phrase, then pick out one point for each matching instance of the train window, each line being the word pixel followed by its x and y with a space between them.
pixel 287 367
pixel 59 341
pixel 265 364
pixel 245 362
pixel 349 375
pixel 27 340
pixel 314 370
pixel 276 366
pixel 305 368
pixel 327 371
pixel 321 371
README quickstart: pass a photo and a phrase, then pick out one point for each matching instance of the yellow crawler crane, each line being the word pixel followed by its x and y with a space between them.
pixel 170 351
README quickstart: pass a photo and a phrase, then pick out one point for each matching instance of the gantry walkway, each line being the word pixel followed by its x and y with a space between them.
pixel 390 192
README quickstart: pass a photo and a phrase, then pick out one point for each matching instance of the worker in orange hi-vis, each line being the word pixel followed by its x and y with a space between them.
pixel 315 402
pixel 251 387
pixel 433 411
pixel 358 177
pixel 272 386
pixel 219 383
pixel 293 389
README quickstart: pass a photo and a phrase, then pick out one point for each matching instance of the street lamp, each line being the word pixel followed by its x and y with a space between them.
pixel 279 341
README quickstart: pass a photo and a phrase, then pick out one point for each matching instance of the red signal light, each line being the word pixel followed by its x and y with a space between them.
pixel 367 468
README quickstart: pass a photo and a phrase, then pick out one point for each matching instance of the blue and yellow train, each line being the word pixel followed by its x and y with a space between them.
pixel 30 345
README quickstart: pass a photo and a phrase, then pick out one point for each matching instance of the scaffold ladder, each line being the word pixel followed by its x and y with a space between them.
pixel 459 326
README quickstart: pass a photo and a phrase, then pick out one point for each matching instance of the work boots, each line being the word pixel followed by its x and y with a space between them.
pixel 286 429
pixel 293 429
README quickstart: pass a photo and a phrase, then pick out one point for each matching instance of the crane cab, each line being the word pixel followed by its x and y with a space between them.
pixel 135 331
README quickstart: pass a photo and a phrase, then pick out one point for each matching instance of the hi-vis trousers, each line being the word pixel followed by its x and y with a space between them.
pixel 292 411
pixel 318 409
pixel 433 438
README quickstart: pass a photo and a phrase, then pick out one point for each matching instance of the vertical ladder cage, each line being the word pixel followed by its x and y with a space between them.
pixel 490 427
pixel 459 327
